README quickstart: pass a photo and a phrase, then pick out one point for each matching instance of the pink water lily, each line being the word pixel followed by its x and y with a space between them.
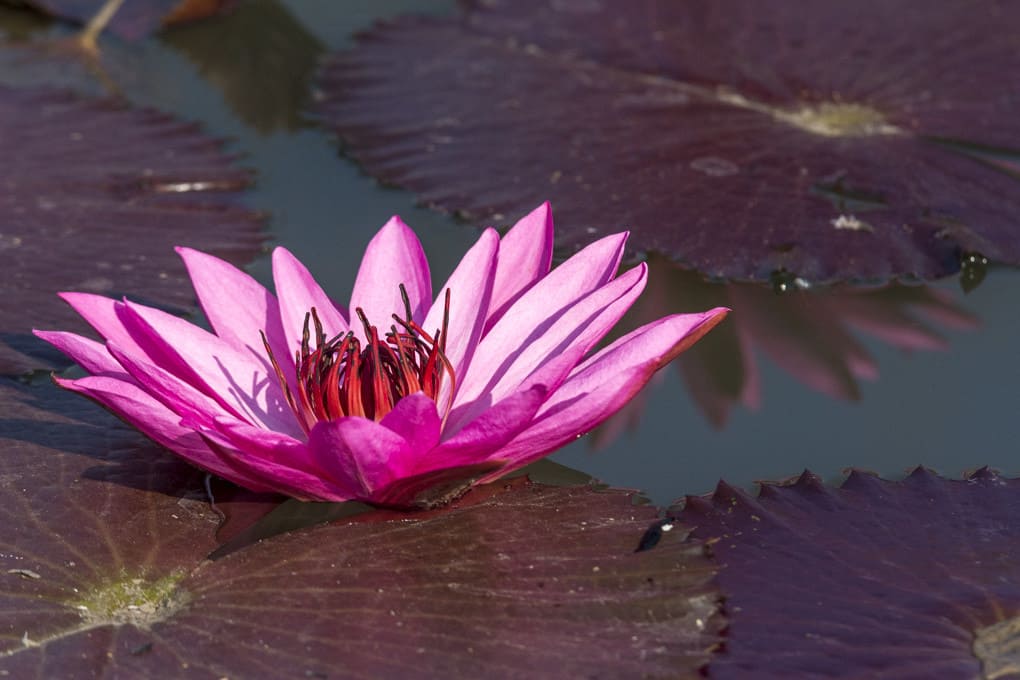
pixel 401 399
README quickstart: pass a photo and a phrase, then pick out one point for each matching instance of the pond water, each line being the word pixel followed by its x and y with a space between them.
pixel 952 409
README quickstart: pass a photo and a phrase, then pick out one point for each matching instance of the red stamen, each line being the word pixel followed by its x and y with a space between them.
pixel 339 377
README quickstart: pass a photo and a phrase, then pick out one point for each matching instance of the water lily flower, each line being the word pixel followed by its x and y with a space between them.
pixel 399 400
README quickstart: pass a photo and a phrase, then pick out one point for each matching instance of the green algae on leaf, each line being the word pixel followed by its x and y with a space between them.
pixel 878 579
pixel 96 195
pixel 824 139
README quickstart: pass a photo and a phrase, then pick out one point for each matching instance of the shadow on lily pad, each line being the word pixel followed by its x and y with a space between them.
pixel 837 141
pixel 912 579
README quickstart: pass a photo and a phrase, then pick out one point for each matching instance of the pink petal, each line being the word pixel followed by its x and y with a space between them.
pixel 487 433
pixel 298 293
pixel 508 355
pixel 139 409
pixel 537 309
pixel 101 313
pixel 172 392
pixel 586 271
pixel 605 382
pixel 525 254
pixel 271 448
pixel 278 477
pixel 416 419
pixel 470 288
pixel 358 453
pixel 238 380
pixel 237 306
pixel 89 354
pixel 393 257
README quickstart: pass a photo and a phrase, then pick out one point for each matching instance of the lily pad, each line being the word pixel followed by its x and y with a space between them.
pixel 912 579
pixel 95 520
pixel 95 197
pixel 134 19
pixel 833 140
pixel 103 545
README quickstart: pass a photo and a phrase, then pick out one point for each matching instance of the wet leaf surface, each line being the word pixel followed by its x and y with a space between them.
pixel 836 141
pixel 874 579
pixel 95 197
pixel 103 543
pixel 136 18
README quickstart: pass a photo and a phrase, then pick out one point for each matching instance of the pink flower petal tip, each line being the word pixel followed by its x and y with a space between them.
pixel 401 400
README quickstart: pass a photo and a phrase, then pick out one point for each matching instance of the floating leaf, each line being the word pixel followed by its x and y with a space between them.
pixel 95 197
pixel 102 545
pixel 94 520
pixel 833 140
pixel 878 579
pixel 135 18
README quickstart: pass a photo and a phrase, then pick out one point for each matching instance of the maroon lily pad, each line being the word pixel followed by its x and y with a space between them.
pixel 91 514
pixel 134 19
pixel 832 140
pixel 103 540
pixel 95 197
pixel 912 579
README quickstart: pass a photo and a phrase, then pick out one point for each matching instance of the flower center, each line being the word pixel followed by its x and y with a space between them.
pixel 340 377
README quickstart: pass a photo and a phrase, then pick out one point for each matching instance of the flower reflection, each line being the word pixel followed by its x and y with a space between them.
pixel 812 335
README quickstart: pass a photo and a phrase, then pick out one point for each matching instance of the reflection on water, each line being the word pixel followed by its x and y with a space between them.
pixel 813 335
pixel 260 57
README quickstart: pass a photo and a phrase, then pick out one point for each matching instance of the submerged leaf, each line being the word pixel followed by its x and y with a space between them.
pixel 95 197
pixel 874 579
pixel 833 140
pixel 102 545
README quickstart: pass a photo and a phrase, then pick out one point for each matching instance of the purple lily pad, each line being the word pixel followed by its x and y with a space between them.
pixel 136 18
pixel 95 197
pixel 912 579
pixel 88 507
pixel 837 141
pixel 102 551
